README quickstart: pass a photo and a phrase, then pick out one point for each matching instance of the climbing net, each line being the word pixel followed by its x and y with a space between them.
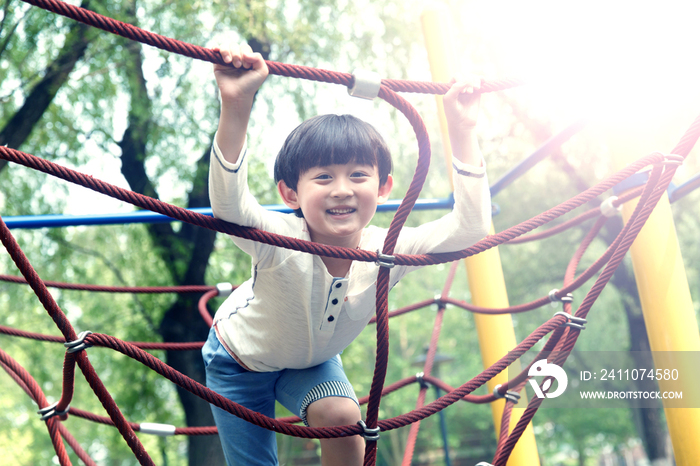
pixel 563 328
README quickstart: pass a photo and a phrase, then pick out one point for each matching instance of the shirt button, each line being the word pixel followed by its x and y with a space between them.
pixel 338 285
pixel 331 318
pixel 335 301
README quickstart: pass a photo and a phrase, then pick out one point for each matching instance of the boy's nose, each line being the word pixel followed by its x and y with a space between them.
pixel 341 189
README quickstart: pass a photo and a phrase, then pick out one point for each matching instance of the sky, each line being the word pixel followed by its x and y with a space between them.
pixel 599 57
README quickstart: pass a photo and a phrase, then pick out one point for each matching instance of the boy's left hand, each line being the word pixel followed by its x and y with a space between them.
pixel 462 103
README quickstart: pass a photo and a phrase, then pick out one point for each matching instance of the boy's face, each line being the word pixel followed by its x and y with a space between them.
pixel 338 201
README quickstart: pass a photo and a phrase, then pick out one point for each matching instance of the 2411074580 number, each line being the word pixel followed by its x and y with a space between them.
pixel 633 374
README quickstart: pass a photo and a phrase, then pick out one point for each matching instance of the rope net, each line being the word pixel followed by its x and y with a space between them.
pixel 561 337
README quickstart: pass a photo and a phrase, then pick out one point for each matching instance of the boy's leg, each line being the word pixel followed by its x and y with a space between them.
pixel 337 411
pixel 243 443
pixel 322 396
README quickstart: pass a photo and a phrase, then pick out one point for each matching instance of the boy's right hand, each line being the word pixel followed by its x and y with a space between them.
pixel 243 73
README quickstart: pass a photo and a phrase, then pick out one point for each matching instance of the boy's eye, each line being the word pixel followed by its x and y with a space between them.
pixel 322 177
pixel 358 174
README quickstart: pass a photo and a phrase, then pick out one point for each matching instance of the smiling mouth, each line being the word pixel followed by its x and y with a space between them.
pixel 340 211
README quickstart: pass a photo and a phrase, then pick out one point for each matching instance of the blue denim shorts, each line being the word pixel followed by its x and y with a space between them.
pixel 248 444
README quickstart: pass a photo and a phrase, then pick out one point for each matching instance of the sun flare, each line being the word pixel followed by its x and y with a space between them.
pixel 615 60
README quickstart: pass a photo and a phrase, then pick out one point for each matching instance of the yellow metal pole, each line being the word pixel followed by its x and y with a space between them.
pixel 663 288
pixel 484 272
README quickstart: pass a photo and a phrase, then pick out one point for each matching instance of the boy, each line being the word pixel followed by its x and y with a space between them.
pixel 279 335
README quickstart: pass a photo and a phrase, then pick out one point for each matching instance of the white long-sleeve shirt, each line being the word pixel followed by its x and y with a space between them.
pixel 292 314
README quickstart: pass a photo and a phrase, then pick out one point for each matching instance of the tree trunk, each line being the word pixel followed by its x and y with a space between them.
pixel 185 255
pixel 182 323
pixel 20 126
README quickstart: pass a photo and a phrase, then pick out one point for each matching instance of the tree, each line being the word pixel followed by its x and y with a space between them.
pixel 17 129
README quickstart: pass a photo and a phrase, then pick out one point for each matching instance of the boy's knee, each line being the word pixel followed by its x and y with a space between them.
pixel 333 411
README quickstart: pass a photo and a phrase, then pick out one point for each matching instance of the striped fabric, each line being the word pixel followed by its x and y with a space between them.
pixel 330 388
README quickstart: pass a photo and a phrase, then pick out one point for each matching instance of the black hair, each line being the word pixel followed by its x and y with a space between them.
pixel 328 140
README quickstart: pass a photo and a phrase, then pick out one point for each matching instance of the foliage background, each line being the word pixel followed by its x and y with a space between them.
pixel 85 122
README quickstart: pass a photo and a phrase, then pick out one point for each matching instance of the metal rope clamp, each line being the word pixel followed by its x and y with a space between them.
pixel 153 428
pixel 50 411
pixel 439 302
pixel 554 299
pixel 510 395
pixel 79 344
pixel 673 159
pixel 369 434
pixel 608 208
pixel 385 260
pixel 365 84
pixel 224 289
pixel 572 321
pixel 420 378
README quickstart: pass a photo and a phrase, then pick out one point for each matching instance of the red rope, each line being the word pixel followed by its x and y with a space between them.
pixel 428 365
pixel 656 187
pixel 370 454
pixel 211 55
pixel 187 346
pixel 592 213
pixel 370 397
pixel 308 432
pixel 65 327
pixel 114 289
pixel 427 368
pixel 202 306
pixel 194 218
pixel 30 386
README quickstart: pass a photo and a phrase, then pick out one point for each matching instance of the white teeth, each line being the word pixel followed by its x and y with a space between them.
pixel 340 211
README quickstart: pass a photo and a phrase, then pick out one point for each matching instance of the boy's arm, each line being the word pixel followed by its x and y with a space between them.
pixel 470 219
pixel 462 110
pixel 238 82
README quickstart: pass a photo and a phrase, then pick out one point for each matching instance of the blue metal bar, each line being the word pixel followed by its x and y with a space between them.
pixel 533 159
pixel 683 190
pixel 146 216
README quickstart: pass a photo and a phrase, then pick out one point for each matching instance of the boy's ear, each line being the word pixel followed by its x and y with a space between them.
pixel 289 196
pixel 385 190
